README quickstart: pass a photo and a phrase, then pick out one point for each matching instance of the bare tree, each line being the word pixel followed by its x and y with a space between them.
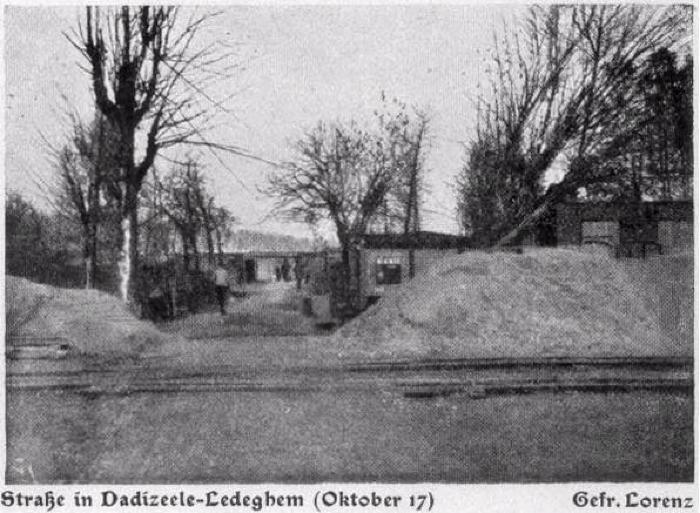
pixel 86 163
pixel 183 199
pixel 340 172
pixel 416 141
pixel 179 204
pixel 147 76
pixel 559 91
pixel 403 135
pixel 38 244
pixel 25 236
pixel 206 210
pixel 221 219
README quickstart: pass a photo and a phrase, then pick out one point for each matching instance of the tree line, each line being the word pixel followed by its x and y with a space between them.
pixel 178 217
pixel 599 94
pixel 149 77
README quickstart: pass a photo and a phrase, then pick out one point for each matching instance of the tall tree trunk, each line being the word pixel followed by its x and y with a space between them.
pixel 87 259
pixel 90 254
pixel 185 251
pixel 342 289
pixel 133 249
pixel 128 267
pixel 195 249
pixel 206 211
pixel 219 244
pixel 210 246
pixel 412 221
pixel 210 238
pixel 93 219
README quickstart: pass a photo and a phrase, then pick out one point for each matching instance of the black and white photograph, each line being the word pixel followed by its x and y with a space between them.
pixel 398 244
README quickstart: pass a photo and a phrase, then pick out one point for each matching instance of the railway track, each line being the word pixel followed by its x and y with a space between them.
pixel 474 378
pixel 636 362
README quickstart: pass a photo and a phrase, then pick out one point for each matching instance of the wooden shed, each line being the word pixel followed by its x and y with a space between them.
pixel 632 229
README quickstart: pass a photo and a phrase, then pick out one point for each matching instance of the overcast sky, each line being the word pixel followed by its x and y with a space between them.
pixel 302 64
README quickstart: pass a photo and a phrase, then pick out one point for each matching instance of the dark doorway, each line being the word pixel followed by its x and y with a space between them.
pixel 546 230
pixel 637 238
pixel 250 270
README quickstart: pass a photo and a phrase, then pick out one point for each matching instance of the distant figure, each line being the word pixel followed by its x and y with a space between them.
pixel 221 283
pixel 278 273
pixel 286 268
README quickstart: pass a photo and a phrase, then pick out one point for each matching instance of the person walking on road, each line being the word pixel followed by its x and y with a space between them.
pixel 221 283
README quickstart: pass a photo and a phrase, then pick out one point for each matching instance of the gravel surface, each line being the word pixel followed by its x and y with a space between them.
pixel 350 436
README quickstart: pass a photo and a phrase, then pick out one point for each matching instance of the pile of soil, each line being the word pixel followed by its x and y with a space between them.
pixel 545 302
pixel 91 321
pixel 665 284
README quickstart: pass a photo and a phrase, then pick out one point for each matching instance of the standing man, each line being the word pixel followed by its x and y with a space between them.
pixel 221 283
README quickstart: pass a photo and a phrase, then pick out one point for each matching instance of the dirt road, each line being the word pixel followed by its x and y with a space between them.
pixel 224 423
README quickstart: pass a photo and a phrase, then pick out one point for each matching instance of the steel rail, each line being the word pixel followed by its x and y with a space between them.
pixel 517 375
pixel 474 389
pixel 641 362
pixel 658 363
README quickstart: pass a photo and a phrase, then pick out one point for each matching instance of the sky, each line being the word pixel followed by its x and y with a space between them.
pixel 297 65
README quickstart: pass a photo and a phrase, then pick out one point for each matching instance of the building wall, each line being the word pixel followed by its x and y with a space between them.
pixel 607 230
pixel 423 259
pixel 669 223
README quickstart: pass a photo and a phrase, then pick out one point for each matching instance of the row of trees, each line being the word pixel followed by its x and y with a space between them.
pixel 180 206
pixel 36 243
pixel 176 213
pixel 364 178
pixel 147 79
pixel 595 92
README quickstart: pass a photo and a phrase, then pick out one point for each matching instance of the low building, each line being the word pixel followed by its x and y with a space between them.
pixel 263 266
pixel 385 261
pixel 381 262
pixel 632 229
pixel 377 263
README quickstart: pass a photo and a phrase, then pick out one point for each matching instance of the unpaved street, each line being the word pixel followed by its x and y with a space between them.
pixel 174 422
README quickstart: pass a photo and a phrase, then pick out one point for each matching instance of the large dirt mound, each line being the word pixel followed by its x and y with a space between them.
pixel 665 283
pixel 93 322
pixel 543 302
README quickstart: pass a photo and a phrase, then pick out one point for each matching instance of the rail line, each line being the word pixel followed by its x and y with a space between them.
pixel 475 378
pixel 637 362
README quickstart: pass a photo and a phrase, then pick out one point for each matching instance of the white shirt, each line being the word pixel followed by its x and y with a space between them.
pixel 220 277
